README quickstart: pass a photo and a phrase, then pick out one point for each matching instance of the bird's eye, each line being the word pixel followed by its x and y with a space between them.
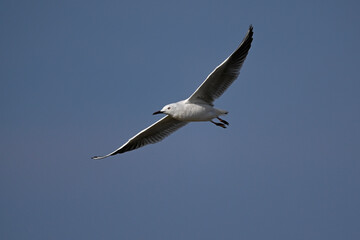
pixel 169 108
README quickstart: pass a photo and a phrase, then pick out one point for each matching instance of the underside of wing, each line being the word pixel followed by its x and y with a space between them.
pixel 153 134
pixel 223 75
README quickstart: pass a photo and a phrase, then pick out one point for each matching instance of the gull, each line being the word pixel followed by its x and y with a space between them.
pixel 198 107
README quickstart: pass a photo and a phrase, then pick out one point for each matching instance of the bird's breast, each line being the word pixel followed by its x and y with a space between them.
pixel 195 112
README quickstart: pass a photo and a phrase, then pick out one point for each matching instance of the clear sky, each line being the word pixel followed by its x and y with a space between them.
pixel 79 78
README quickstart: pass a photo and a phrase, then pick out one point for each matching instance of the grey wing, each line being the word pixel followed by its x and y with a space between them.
pixel 153 134
pixel 223 75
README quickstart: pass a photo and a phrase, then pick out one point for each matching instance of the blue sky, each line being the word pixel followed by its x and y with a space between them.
pixel 78 78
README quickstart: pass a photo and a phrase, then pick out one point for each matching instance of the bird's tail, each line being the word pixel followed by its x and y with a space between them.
pixel 221 112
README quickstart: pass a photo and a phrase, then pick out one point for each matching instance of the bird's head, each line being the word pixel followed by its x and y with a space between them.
pixel 167 109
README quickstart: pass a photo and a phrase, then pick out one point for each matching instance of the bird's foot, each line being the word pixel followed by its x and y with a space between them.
pixel 219 124
pixel 223 121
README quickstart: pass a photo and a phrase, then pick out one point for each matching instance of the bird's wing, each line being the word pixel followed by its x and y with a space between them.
pixel 153 134
pixel 224 74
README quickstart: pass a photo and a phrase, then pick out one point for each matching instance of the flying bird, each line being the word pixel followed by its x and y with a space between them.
pixel 198 107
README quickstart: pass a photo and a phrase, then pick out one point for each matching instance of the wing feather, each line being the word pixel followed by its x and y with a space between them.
pixel 223 75
pixel 153 134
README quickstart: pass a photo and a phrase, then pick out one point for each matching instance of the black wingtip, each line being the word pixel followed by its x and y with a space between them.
pixel 251 30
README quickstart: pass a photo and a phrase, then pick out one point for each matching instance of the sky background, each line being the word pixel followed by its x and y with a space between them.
pixel 79 78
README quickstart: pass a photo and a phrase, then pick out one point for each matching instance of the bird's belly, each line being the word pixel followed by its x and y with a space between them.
pixel 196 112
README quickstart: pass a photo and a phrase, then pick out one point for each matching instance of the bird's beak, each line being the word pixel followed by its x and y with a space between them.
pixel 158 112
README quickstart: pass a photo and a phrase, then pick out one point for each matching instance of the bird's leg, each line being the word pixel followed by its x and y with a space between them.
pixel 223 121
pixel 218 124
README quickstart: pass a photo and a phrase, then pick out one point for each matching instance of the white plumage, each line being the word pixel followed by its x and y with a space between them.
pixel 198 107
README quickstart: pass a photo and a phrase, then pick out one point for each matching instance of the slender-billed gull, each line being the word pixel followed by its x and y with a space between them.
pixel 198 107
